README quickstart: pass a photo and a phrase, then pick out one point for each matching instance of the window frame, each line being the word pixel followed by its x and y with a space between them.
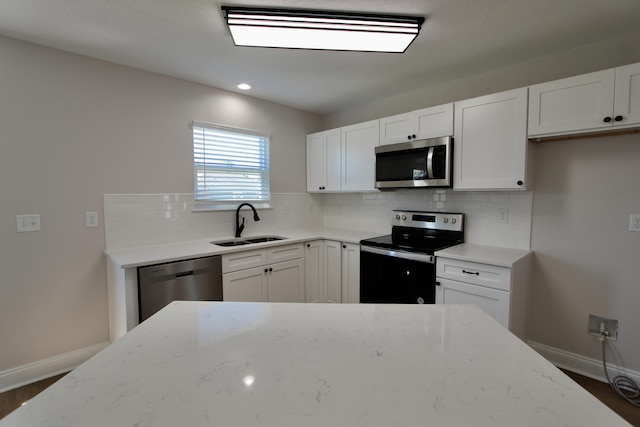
pixel 260 199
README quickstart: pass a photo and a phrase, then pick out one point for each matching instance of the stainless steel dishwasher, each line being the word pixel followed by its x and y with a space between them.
pixel 197 279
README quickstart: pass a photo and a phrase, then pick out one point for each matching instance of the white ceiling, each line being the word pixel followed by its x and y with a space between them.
pixel 188 39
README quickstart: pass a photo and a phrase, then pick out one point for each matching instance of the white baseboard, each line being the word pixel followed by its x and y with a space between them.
pixel 582 365
pixel 36 371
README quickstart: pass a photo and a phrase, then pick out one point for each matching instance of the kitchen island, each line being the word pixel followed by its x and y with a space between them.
pixel 279 364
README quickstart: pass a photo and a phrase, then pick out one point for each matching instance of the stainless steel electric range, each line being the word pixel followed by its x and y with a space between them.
pixel 400 267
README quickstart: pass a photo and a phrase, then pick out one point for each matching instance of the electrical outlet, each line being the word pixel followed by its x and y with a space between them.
pixel 28 223
pixel 603 327
pixel 634 222
pixel 503 216
pixel 91 219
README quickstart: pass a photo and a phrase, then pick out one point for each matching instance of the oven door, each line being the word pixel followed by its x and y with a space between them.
pixel 388 276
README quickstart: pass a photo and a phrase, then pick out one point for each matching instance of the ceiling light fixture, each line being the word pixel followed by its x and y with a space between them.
pixel 244 86
pixel 320 30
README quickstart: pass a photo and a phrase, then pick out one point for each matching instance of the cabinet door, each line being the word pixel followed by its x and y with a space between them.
pixel 332 271
pixel 434 122
pixel 350 273
pixel 358 156
pixel 314 271
pixel 494 302
pixel 315 162
pixel 572 105
pixel 323 161
pixel 491 142
pixel 398 128
pixel 286 281
pixel 627 97
pixel 245 285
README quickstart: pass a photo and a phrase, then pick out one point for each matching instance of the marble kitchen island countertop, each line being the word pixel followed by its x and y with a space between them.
pixel 270 364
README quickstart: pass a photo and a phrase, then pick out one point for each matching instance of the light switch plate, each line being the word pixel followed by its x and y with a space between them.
pixel 29 222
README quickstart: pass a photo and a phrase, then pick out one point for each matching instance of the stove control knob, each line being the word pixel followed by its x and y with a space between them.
pixel 453 220
pixel 397 216
pixel 446 220
pixel 404 217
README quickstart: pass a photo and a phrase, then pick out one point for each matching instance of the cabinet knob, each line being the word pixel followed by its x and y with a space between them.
pixel 619 118
pixel 344 246
pixel 437 283
pixel 266 270
pixel 308 245
pixel 520 183
pixel 270 270
pixel 607 119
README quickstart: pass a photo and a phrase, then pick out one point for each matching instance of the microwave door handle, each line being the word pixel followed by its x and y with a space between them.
pixel 430 163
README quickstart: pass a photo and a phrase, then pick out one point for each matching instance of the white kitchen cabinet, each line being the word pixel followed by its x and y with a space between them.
pixel 332 272
pixel 323 161
pixel 358 156
pixel 595 102
pixel 275 274
pixel 490 142
pixel 432 122
pixel 350 273
pixel 502 292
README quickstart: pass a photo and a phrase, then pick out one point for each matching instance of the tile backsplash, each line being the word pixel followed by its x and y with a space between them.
pixel 372 212
pixel 149 219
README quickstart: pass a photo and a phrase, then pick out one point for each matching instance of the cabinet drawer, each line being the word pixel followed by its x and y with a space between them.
pixel 487 275
pixel 285 253
pixel 243 260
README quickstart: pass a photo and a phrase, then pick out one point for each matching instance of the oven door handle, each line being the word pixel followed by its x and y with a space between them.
pixel 399 254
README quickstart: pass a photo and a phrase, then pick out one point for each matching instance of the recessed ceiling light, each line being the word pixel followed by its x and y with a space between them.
pixel 321 30
pixel 244 86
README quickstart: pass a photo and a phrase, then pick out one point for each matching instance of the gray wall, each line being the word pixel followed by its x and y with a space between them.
pixel 73 129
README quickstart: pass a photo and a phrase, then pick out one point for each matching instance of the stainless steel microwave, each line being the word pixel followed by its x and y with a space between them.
pixel 415 164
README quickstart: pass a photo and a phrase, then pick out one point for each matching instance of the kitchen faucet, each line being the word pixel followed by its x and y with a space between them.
pixel 240 227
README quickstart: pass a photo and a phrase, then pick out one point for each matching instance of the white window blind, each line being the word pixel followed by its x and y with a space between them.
pixel 231 167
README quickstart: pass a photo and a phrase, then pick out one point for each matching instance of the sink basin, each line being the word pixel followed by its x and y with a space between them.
pixel 248 241
pixel 263 239
pixel 231 243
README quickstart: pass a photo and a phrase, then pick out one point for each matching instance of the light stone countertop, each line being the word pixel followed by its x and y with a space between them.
pixel 269 364
pixel 503 257
pixel 156 254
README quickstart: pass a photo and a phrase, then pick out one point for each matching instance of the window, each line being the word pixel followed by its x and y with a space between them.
pixel 231 166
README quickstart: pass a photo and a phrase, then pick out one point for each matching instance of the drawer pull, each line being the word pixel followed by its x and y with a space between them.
pixel 471 272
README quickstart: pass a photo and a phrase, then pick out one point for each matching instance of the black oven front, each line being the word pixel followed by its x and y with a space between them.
pixel 398 277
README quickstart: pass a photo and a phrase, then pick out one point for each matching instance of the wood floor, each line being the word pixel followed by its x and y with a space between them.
pixel 12 399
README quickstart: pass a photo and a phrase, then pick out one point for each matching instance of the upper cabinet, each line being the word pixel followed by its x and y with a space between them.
pixel 323 161
pixel 595 102
pixel 490 142
pixel 426 123
pixel 358 156
pixel 343 159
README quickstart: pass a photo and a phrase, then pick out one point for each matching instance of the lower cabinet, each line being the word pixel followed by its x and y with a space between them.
pixel 268 275
pixel 500 291
pixel 332 272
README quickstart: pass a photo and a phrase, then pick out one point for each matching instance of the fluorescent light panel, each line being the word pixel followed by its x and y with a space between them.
pixel 305 29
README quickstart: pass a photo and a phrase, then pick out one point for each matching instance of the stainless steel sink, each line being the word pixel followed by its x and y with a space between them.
pixel 263 239
pixel 248 241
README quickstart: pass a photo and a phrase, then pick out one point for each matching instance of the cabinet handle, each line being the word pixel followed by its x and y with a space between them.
pixel 619 118
pixel 471 272
pixel 607 119
pixel 520 183
pixel 437 283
